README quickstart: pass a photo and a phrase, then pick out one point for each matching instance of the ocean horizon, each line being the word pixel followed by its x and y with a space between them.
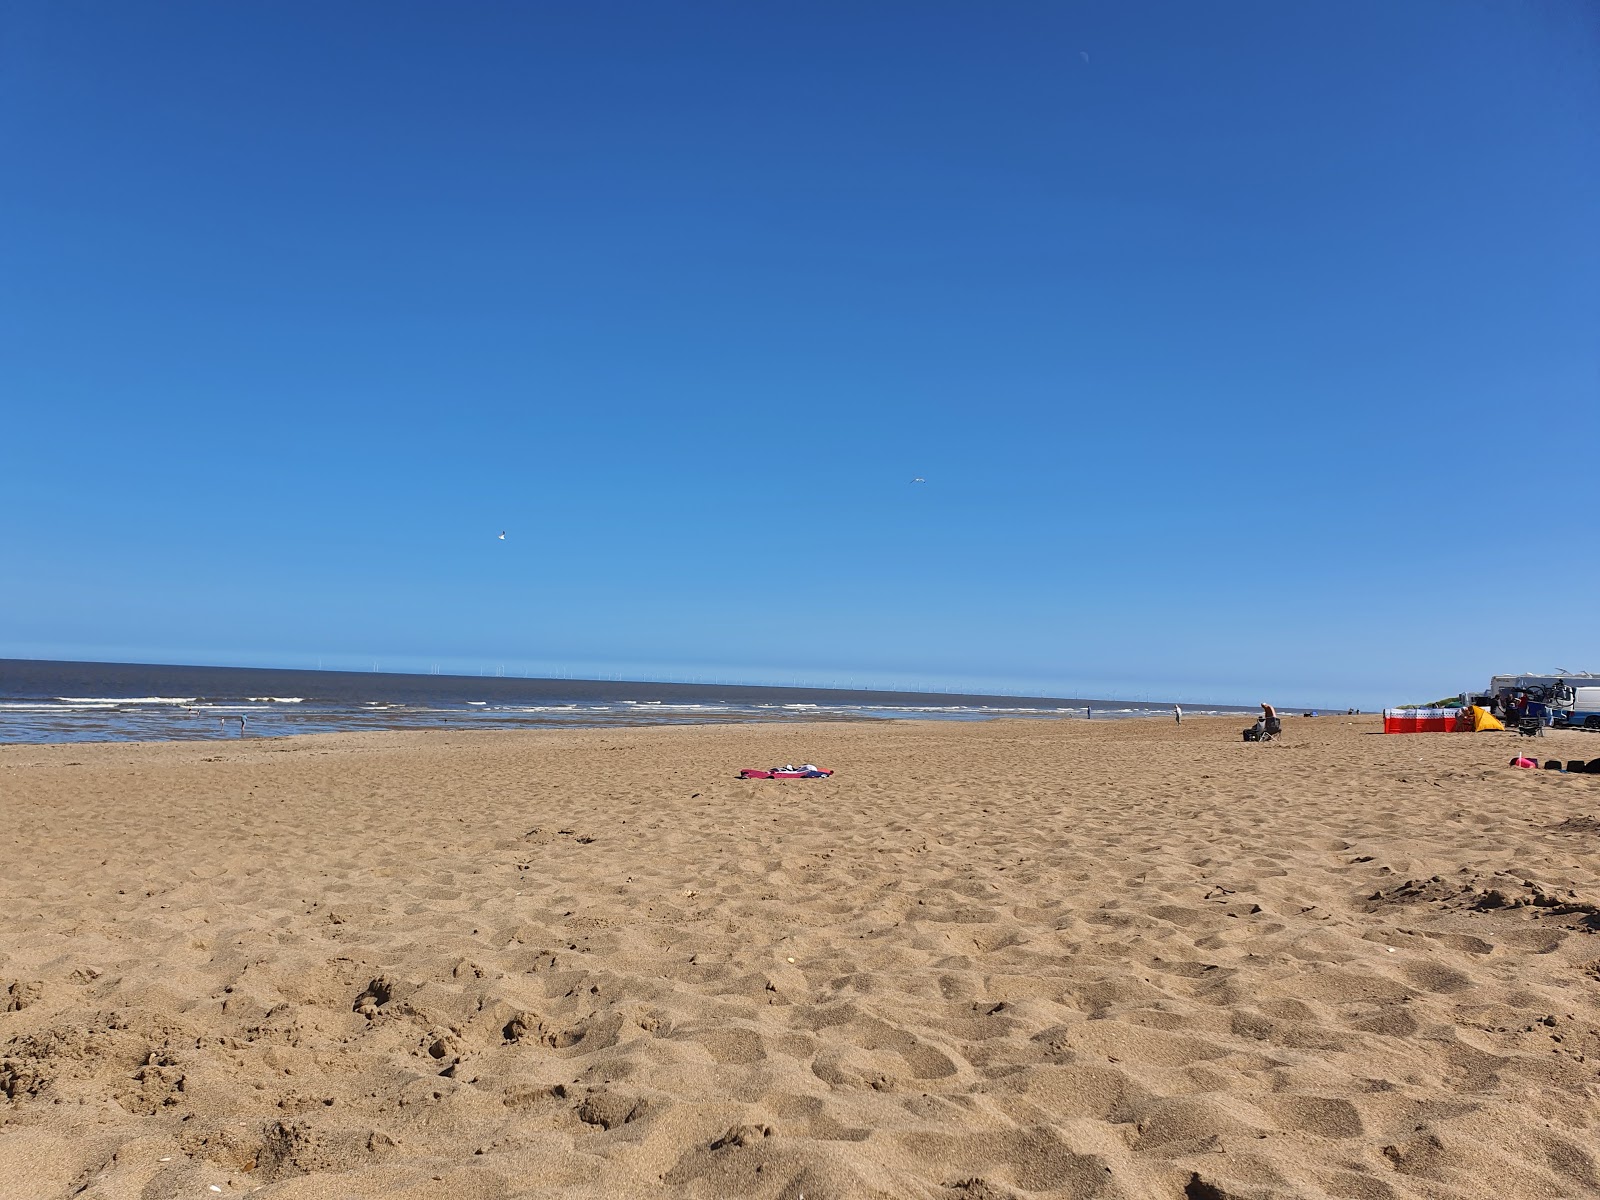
pixel 44 701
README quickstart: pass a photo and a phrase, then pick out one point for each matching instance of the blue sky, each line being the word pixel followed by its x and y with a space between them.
pixel 1248 350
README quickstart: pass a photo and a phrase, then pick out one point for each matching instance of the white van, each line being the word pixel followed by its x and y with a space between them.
pixel 1585 708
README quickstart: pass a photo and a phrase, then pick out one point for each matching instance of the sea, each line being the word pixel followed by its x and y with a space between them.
pixel 45 701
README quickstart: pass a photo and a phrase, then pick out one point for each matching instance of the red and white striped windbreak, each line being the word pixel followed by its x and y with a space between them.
pixel 1424 720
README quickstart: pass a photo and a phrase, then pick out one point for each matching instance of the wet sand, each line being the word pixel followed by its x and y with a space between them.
pixel 1010 959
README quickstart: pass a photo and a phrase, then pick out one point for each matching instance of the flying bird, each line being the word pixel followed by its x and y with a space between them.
pixel 502 535
pixel 919 479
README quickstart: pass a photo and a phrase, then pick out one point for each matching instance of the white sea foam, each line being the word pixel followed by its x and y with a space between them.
pixel 38 718
pixel 127 699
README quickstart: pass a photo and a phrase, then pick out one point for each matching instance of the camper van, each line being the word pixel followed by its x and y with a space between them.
pixel 1554 695
pixel 1585 713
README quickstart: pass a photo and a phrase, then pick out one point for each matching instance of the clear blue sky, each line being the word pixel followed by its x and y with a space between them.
pixel 1248 350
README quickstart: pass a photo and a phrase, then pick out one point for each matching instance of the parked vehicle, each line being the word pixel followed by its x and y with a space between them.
pixel 1552 697
pixel 1585 710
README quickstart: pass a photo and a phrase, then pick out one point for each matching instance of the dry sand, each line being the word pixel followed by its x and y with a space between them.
pixel 1051 958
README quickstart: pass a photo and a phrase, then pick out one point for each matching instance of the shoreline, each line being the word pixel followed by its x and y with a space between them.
pixel 192 727
pixel 44 701
pixel 795 722
pixel 986 959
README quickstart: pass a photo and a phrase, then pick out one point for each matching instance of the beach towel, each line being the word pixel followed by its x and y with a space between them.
pixel 749 773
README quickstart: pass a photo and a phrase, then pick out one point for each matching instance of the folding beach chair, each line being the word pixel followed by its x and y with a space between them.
pixel 1266 730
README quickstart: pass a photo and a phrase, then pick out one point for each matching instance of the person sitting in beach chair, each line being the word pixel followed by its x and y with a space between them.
pixel 1267 726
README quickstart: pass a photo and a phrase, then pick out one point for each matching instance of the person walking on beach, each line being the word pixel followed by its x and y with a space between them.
pixel 1177 714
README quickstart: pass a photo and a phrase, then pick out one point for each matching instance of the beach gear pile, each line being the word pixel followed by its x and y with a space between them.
pixel 1575 766
pixel 790 771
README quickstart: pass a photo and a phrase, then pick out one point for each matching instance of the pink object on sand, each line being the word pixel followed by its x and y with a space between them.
pixel 1524 762
pixel 748 773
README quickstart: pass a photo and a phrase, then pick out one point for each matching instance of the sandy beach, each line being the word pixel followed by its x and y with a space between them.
pixel 1004 959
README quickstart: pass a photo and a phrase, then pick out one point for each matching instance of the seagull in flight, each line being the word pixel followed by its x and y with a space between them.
pixel 919 479
pixel 502 535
